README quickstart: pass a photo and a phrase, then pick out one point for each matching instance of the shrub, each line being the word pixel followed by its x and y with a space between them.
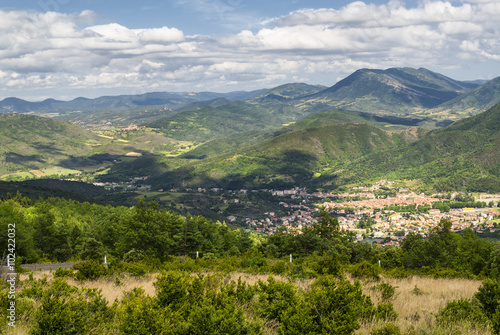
pixel 209 256
pixel 278 268
pixel 92 249
pixel 298 319
pixel 134 256
pixel 489 296
pixel 206 318
pixel 336 305
pixel 386 290
pixel 328 265
pixel 90 270
pixel 63 272
pixel 496 320
pixel 300 271
pixel 384 311
pixel 275 297
pixel 366 270
pixel 399 272
pixel 172 291
pixel 136 269
pixel 67 310
pixel 141 314
pixel 417 291
pixel 462 310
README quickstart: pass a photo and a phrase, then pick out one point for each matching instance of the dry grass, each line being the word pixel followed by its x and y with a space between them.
pixel 418 310
pixel 111 291
pixel 413 310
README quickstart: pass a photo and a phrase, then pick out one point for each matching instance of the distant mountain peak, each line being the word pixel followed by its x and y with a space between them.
pixel 393 90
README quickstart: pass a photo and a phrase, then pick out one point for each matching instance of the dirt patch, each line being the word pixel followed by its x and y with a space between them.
pixel 37 173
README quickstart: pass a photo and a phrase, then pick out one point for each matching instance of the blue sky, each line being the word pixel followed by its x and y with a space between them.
pixel 68 48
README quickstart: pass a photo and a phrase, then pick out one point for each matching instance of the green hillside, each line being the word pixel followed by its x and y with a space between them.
pixel 290 91
pixel 240 140
pixel 237 117
pixel 293 158
pixel 34 146
pixel 322 152
pixel 465 155
pixel 200 104
pixel 31 142
pixel 396 90
pixel 474 102
pixel 120 117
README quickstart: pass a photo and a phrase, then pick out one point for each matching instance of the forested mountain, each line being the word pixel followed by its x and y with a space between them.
pixel 289 91
pixel 33 142
pixel 327 150
pixel 293 158
pixel 476 101
pixel 285 135
pixel 168 99
pixel 210 123
pixel 395 90
pixel 464 155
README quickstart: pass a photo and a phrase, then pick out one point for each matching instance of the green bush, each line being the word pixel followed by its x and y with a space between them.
pixel 90 269
pixel 136 269
pixel 206 318
pixel 275 297
pixel 384 311
pixel 399 272
pixel 332 306
pixel 489 296
pixel 366 270
pixel 300 271
pixel 68 310
pixel 278 268
pixel 92 249
pixel 172 290
pixel 63 272
pixel 328 265
pixel 298 319
pixel 417 291
pixel 134 256
pixel 496 320
pixel 386 290
pixel 141 314
pixel 462 310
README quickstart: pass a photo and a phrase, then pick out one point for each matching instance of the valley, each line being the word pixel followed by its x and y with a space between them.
pixel 396 124
pixel 257 208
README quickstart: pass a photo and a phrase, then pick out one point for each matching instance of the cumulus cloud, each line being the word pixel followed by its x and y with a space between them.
pixel 51 50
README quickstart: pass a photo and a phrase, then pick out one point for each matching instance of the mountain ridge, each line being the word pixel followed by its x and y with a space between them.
pixel 394 90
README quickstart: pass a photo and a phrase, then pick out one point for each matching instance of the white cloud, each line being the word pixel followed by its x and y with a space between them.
pixel 50 50
pixel 456 28
pixel 161 35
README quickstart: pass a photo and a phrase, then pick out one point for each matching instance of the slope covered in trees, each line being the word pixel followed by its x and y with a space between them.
pixel 195 295
pixel 395 90
pixel 285 160
pixel 463 155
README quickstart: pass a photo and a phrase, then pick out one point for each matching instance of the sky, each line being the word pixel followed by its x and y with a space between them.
pixel 65 49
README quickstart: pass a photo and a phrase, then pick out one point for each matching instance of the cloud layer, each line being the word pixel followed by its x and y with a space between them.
pixel 55 52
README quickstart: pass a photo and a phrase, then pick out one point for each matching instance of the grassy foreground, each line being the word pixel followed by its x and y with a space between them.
pixel 416 300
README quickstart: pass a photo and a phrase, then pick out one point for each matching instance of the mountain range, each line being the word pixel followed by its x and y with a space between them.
pixel 394 123
pixel 396 91
pixel 168 99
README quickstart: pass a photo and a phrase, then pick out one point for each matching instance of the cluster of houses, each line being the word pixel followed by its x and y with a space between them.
pixel 388 227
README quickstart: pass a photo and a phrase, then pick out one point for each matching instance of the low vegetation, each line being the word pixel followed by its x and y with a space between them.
pixel 189 296
pixel 189 268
